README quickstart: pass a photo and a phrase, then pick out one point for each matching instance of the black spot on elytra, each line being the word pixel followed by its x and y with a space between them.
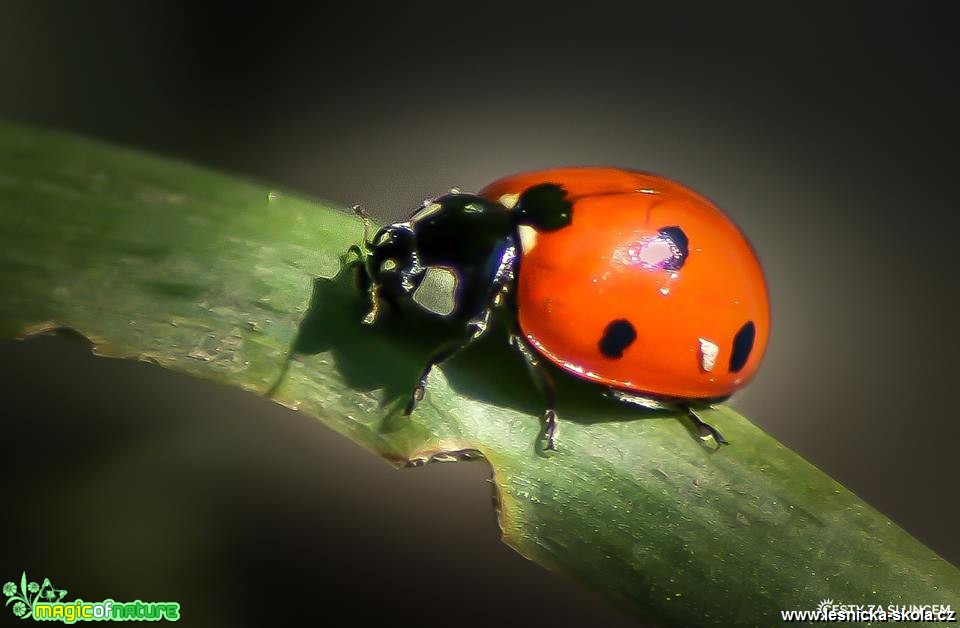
pixel 545 207
pixel 742 346
pixel 681 246
pixel 618 335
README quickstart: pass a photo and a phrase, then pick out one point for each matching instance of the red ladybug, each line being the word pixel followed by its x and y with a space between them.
pixel 620 277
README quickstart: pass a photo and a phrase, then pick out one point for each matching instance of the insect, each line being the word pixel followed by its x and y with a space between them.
pixel 620 277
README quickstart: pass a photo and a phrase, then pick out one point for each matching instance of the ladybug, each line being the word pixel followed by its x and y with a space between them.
pixel 620 277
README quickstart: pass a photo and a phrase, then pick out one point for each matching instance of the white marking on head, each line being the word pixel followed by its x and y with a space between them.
pixel 528 238
pixel 509 200
pixel 708 354
pixel 437 291
pixel 388 265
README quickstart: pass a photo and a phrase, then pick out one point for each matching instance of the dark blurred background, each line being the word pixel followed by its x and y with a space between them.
pixel 828 131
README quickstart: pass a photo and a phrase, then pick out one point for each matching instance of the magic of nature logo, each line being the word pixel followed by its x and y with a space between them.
pixel 44 602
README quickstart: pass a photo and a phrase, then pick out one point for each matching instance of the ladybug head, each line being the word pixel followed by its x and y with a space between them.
pixel 398 270
pixel 392 266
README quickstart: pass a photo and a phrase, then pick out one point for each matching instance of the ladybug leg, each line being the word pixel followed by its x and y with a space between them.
pixel 705 428
pixel 544 383
pixel 500 286
pixel 477 327
pixel 373 292
pixel 647 403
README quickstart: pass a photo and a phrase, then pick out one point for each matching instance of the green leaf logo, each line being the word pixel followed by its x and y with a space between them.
pixel 29 593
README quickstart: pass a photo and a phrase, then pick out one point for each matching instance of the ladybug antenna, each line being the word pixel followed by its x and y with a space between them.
pixel 365 218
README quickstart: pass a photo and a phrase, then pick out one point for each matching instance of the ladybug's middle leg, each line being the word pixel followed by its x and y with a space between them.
pixel 544 383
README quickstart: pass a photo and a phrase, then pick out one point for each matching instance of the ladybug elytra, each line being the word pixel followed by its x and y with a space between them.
pixel 619 277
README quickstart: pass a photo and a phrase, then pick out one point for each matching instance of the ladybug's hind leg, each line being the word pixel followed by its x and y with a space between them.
pixel 544 383
pixel 649 403
pixel 705 428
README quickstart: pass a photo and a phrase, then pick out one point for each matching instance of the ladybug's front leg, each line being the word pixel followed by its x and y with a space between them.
pixel 476 328
pixel 544 383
